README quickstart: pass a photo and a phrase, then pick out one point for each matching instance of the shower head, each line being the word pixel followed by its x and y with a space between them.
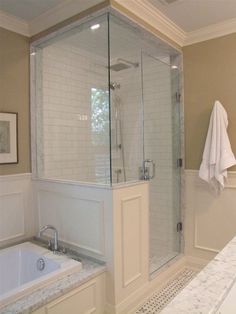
pixel 119 67
pixel 123 64
pixel 133 64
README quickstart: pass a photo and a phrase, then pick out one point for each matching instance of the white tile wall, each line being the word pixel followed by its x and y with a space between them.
pixel 131 114
pixel 67 76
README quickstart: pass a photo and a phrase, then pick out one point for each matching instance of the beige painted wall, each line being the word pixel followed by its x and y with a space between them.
pixel 209 74
pixel 14 92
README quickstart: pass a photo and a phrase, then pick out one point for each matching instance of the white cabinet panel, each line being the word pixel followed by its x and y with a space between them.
pixel 81 301
pixel 87 299
pixel 131 238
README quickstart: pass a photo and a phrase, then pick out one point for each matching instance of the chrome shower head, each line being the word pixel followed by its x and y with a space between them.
pixel 119 66
pixel 123 64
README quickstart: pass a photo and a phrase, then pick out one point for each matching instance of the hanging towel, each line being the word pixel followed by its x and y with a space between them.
pixel 217 155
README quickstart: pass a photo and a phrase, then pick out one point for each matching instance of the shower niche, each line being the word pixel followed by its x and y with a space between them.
pixel 106 111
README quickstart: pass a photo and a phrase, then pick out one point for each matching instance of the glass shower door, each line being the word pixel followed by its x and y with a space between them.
pixel 161 158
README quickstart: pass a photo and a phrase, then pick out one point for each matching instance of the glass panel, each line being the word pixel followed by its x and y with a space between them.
pixel 126 102
pixel 73 105
pixel 162 144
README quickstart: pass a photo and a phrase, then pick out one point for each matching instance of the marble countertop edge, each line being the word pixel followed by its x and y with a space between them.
pixel 209 288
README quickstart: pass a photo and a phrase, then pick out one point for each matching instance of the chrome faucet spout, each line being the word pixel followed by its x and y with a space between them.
pixel 55 240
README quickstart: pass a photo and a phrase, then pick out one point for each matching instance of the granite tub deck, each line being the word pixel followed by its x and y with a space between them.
pixel 208 289
pixel 44 295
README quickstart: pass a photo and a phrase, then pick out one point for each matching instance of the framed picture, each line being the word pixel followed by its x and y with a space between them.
pixel 8 138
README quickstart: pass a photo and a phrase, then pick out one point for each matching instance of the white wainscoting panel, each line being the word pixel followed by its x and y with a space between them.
pixel 16 211
pixel 130 269
pixel 131 238
pixel 12 216
pixel 210 219
pixel 77 211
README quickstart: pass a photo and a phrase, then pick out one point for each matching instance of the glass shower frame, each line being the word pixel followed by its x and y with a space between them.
pixel 111 16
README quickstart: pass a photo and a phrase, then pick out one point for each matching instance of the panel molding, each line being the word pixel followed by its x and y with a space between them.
pixel 206 197
pixel 196 245
pixel 126 282
pixel 89 288
pixel 100 203
pixel 22 222
pixel 16 211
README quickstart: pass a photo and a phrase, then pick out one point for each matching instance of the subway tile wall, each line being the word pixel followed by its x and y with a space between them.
pixel 68 76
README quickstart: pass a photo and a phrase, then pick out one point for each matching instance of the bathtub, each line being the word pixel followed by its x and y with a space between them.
pixel 27 267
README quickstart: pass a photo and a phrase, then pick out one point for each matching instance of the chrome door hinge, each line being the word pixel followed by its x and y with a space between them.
pixel 179 163
pixel 179 227
pixel 177 96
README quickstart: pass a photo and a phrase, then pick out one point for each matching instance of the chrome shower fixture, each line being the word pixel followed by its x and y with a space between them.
pixel 114 85
pixel 123 64
pixel 133 64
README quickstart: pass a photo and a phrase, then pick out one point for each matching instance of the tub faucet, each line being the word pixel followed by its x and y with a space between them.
pixel 55 241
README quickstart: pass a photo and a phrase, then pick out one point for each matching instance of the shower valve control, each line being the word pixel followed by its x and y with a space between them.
pixel 146 173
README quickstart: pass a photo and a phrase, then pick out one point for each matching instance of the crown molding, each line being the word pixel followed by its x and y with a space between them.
pixel 154 17
pixel 143 9
pixel 210 32
pixel 58 14
pixel 14 24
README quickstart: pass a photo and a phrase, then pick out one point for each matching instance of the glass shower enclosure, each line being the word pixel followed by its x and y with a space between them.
pixel 107 111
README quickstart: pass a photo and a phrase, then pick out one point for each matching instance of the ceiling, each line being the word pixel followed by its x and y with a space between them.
pixel 180 20
pixel 191 15
pixel 28 9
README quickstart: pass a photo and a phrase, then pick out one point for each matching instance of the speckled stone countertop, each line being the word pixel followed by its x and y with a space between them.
pixel 208 289
pixel 42 296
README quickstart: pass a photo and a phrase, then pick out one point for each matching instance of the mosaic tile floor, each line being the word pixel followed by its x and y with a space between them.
pixel 162 297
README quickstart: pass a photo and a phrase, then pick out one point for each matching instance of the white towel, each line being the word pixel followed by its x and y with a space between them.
pixel 217 155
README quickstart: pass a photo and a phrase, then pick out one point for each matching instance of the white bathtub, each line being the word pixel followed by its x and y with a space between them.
pixel 20 271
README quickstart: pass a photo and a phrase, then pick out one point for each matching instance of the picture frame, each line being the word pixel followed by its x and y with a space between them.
pixel 8 138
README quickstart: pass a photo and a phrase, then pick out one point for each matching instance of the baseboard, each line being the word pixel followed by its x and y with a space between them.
pixel 196 262
pixel 135 299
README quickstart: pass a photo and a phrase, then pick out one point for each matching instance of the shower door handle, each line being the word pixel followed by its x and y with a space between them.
pixel 147 174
